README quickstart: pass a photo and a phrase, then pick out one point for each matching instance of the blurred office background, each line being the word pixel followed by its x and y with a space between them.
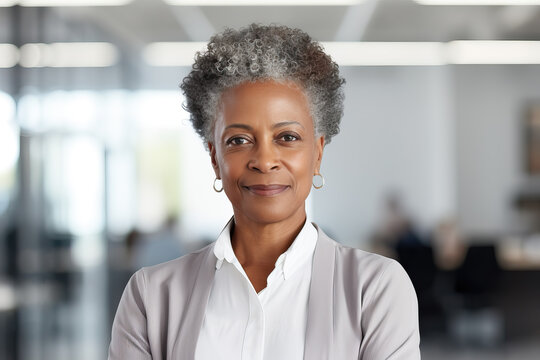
pixel 437 163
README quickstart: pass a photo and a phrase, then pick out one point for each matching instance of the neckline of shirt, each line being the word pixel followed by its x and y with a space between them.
pixel 287 263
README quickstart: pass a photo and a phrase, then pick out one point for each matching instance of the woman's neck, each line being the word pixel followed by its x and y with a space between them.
pixel 260 244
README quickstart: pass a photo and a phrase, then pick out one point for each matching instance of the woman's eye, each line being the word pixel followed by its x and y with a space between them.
pixel 288 137
pixel 237 141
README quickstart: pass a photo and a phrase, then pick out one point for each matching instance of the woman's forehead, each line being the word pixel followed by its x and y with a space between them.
pixel 260 87
pixel 269 101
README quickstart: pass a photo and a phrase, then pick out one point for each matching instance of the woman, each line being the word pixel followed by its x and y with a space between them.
pixel 266 100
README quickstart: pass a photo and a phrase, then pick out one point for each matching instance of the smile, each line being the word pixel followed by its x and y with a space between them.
pixel 266 190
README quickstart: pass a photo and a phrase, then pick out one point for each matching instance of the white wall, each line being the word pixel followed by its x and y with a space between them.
pixel 450 139
pixel 396 134
pixel 490 108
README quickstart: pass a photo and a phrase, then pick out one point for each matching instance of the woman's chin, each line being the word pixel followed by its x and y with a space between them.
pixel 269 214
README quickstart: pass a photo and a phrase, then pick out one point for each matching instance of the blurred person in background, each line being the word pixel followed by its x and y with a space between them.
pixel 449 247
pixel 396 230
pixel 266 100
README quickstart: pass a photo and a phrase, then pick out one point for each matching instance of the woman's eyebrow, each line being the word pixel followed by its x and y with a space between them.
pixel 239 126
pixel 276 125
pixel 287 123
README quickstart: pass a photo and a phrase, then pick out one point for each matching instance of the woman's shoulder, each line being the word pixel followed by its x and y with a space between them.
pixel 364 261
pixel 365 269
pixel 386 308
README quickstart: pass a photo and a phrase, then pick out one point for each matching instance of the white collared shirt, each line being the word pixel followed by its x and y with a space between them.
pixel 240 323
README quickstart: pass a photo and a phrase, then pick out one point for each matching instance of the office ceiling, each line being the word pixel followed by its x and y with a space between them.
pixel 144 21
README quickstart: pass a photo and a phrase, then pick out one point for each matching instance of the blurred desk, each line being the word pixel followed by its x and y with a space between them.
pixel 519 297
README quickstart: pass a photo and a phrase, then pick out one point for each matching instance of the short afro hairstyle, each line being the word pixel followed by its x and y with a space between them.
pixel 258 53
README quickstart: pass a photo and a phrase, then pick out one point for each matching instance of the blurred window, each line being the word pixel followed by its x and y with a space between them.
pixel 127 159
pixel 174 170
pixel 73 174
pixel 9 149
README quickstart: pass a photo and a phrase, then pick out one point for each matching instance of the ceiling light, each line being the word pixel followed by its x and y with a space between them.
pixel 263 2
pixel 50 3
pixel 381 53
pixel 344 53
pixel 385 53
pixel 34 55
pixel 478 2
pixel 493 52
pixel 172 53
pixel 9 55
pixel 89 54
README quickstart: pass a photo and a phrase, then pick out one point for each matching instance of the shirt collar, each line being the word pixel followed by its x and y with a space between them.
pixel 223 247
pixel 287 263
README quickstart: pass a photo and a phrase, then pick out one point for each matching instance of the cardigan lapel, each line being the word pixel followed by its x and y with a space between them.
pixel 186 343
pixel 320 329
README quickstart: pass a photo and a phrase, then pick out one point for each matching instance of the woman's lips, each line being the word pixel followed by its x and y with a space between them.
pixel 267 190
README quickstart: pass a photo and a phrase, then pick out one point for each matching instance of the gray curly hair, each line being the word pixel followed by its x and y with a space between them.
pixel 258 53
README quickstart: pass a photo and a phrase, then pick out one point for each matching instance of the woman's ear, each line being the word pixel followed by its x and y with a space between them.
pixel 212 151
pixel 319 148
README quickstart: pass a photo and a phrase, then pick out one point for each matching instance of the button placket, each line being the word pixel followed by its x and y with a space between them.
pixel 255 330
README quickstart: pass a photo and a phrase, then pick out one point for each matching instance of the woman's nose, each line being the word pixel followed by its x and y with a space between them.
pixel 265 158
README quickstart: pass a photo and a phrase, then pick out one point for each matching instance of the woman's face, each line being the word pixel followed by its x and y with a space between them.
pixel 265 150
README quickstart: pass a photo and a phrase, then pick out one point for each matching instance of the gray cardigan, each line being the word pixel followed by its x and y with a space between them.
pixel 361 306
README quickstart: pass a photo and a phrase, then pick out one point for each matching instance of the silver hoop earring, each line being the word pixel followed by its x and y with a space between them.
pixel 322 181
pixel 214 186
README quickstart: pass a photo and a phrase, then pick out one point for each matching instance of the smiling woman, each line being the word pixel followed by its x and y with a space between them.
pixel 265 151
pixel 266 100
